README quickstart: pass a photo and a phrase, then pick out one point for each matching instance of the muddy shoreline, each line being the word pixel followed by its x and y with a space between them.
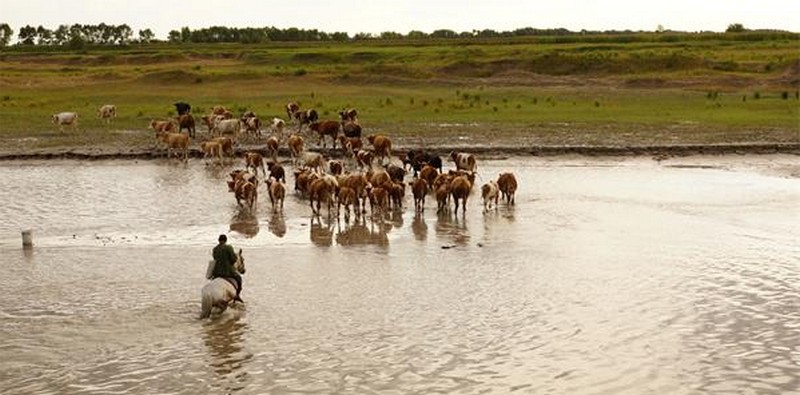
pixel 494 150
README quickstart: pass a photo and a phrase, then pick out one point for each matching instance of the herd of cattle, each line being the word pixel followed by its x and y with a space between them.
pixel 365 174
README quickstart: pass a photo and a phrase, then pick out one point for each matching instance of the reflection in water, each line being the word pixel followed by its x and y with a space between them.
pixel 245 222
pixel 358 233
pixel 224 339
pixel 321 235
pixel 419 227
pixel 396 218
pixel 277 224
pixel 453 226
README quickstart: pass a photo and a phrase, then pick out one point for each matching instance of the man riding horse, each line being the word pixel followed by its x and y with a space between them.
pixel 224 260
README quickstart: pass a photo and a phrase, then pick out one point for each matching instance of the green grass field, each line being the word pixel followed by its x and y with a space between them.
pixel 481 93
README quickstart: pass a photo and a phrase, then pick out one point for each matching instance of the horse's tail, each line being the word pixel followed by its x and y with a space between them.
pixel 206 303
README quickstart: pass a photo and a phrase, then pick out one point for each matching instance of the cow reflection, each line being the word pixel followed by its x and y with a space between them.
pixel 224 339
pixel 277 224
pixel 360 232
pixel 396 218
pixel 321 234
pixel 245 222
pixel 453 227
pixel 419 227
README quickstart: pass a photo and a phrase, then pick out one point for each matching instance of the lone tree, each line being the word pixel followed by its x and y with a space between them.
pixel 5 34
pixel 735 28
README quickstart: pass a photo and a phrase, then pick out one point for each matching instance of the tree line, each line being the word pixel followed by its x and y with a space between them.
pixel 78 35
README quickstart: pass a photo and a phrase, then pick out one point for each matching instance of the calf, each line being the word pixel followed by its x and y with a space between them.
pixel 318 191
pixel 227 145
pixel 336 167
pixel 419 188
pixel 382 146
pixel 66 118
pixel 489 192
pixel 186 121
pixel 442 196
pixel 326 128
pixel 350 144
pixel 396 173
pixel 507 184
pixel 247 191
pixel 277 192
pixel 364 158
pixel 107 112
pixel 464 161
pixel 358 182
pixel 396 191
pixel 378 199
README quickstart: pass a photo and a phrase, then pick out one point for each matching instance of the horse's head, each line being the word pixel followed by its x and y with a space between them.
pixel 239 265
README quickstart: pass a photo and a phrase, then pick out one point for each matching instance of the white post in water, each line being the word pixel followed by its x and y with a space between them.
pixel 27 239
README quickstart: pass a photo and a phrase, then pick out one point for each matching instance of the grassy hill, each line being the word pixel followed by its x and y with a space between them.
pixel 603 90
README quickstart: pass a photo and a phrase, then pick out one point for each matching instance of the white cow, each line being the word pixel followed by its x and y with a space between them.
pixel 107 112
pixel 228 126
pixel 66 118
pixel 278 125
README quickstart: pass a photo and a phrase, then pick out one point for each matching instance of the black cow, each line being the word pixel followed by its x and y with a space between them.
pixel 417 159
pixel 183 108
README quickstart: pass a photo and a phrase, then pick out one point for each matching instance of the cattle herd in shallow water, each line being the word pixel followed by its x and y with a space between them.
pixel 367 175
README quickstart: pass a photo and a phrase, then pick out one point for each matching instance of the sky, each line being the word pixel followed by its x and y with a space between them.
pixel 402 16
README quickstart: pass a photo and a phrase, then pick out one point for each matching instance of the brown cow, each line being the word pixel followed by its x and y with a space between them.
pixel 350 144
pixel 358 182
pixel 382 146
pixel 186 121
pixel 419 188
pixel 326 128
pixel 227 145
pixel 302 178
pixel 254 160
pixel 336 167
pixel 378 199
pixel 277 192
pixel 318 191
pixel 460 187
pixel 507 184
pixel 346 197
pixel 175 141
pixel 442 197
pixel 212 149
pixel 247 191
pixel 429 174
pixel 295 143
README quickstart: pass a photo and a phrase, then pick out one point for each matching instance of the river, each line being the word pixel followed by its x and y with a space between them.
pixel 608 276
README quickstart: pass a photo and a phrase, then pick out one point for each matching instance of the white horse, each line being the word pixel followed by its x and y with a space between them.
pixel 219 292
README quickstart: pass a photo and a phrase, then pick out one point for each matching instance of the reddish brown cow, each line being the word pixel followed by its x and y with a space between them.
pixel 459 190
pixel 507 184
pixel 419 188
pixel 429 174
pixel 442 197
pixel 186 121
pixel 347 197
pixel 351 129
pixel 295 143
pixel 378 199
pixel 326 128
pixel 162 126
pixel 277 192
pixel 318 191
pixel 358 182
pixel 213 149
pixel 247 191
pixel 382 146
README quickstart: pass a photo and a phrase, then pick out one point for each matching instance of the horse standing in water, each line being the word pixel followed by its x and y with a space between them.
pixel 219 292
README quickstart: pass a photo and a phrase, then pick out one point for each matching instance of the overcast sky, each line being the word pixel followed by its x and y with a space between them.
pixel 401 16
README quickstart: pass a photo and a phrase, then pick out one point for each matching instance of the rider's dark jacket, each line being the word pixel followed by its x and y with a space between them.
pixel 225 258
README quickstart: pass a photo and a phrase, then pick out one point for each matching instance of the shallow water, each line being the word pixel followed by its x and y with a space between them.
pixel 608 276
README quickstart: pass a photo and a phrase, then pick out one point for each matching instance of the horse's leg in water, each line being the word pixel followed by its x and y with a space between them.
pixel 238 288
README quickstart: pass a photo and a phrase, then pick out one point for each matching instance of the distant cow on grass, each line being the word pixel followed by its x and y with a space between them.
pixel 107 112
pixel 66 118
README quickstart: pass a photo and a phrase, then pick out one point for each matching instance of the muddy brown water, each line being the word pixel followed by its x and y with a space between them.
pixel 619 275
